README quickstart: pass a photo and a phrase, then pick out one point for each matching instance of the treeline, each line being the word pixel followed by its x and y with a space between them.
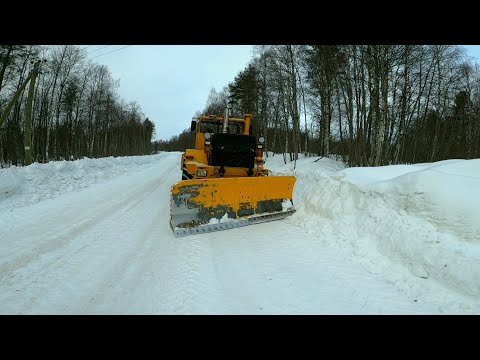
pixel 372 104
pixel 186 140
pixel 76 111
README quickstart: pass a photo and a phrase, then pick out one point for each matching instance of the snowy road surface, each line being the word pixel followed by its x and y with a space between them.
pixel 107 248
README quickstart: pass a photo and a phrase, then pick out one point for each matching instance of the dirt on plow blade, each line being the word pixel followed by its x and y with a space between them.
pixel 201 206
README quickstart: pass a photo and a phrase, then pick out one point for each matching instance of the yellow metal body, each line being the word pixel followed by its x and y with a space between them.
pixel 206 195
pixel 196 159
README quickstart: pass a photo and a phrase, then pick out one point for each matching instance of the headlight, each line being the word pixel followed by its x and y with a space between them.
pixel 261 140
pixel 260 146
pixel 208 136
pixel 201 172
pixel 207 142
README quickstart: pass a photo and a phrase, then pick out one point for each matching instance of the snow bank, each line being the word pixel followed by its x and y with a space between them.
pixel 21 186
pixel 425 216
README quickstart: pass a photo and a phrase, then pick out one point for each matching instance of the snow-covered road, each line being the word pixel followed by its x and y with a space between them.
pixel 108 249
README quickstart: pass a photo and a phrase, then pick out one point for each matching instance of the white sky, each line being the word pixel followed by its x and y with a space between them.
pixel 172 82
pixel 92 236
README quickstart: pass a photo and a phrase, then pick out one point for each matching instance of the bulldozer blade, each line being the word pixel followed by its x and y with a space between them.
pixel 205 205
pixel 255 219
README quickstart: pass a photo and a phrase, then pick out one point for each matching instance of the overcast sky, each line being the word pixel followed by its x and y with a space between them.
pixel 172 82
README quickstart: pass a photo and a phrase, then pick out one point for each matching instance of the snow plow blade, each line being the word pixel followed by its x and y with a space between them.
pixel 207 205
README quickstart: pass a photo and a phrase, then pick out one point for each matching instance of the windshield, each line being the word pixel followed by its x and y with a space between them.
pixel 216 127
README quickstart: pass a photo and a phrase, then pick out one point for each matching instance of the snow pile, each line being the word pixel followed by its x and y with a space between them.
pixel 424 217
pixel 21 186
pixel 224 219
pixel 446 194
pixel 286 205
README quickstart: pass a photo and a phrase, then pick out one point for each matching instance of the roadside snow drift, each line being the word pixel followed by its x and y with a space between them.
pixel 425 216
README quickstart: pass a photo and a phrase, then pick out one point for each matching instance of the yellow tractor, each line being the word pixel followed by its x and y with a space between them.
pixel 224 184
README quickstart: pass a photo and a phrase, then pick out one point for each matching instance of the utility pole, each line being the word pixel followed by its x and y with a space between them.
pixel 28 115
pixel 12 102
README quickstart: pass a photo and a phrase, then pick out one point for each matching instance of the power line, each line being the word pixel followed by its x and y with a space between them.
pixel 111 51
pixel 103 47
pixel 86 47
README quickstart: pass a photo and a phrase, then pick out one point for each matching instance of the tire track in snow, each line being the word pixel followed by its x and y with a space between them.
pixel 111 217
pixel 47 276
pixel 122 279
pixel 79 226
pixel 151 269
pixel 184 267
pixel 250 277
pixel 164 268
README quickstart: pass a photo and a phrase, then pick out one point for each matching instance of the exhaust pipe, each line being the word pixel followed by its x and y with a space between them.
pixel 225 120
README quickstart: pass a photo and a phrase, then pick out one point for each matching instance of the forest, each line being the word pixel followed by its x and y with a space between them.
pixel 369 105
pixel 69 109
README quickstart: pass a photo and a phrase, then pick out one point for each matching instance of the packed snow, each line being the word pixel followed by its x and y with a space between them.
pixel 286 205
pixel 92 236
pixel 222 220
